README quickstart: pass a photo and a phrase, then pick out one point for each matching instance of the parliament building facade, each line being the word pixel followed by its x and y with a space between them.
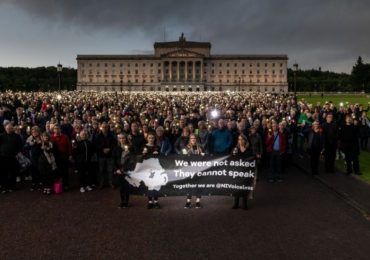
pixel 182 66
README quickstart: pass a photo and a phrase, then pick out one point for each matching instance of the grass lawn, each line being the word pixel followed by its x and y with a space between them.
pixel 351 99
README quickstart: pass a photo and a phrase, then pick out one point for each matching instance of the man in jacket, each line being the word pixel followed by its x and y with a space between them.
pixel 275 146
pixel 10 146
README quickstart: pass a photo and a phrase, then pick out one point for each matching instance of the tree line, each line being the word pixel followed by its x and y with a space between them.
pixel 322 81
pixel 46 79
pixel 37 79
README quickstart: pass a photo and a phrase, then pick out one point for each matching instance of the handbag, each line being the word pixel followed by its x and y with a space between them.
pixel 58 186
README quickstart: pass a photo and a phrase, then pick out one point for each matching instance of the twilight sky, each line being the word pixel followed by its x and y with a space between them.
pixel 314 33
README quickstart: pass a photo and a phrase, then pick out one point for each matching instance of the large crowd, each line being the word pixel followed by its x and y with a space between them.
pixel 45 137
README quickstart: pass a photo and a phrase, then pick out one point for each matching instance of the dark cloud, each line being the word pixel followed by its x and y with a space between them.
pixel 314 32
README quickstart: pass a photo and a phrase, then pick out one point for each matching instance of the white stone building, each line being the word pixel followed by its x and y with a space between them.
pixel 182 66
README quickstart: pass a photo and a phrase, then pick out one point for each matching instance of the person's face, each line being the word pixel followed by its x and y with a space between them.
pixel 56 130
pixel 134 128
pixel 241 140
pixel 253 130
pixel 151 139
pixel 45 138
pixel 349 120
pixel 35 132
pixel 122 139
pixel 159 133
pixel 221 123
pixel 329 118
pixel 193 140
pixel 105 128
pixel 274 126
pixel 83 135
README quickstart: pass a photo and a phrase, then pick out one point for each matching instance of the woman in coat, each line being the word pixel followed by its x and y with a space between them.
pixel 47 164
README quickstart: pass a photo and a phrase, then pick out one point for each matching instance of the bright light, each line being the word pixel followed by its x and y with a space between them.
pixel 59 97
pixel 214 113
pixel 341 104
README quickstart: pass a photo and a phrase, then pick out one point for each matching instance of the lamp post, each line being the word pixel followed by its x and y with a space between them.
pixel 295 69
pixel 59 70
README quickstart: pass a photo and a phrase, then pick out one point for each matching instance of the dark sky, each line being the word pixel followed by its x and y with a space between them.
pixel 314 33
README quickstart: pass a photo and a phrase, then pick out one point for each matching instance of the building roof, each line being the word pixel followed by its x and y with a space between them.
pixel 249 57
pixel 182 44
pixel 116 57
pixel 212 57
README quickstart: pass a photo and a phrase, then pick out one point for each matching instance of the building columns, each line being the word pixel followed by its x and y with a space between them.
pixel 170 70
pixel 178 71
pixel 193 71
pixel 186 71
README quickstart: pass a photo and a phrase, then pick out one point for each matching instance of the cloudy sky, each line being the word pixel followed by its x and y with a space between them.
pixel 313 33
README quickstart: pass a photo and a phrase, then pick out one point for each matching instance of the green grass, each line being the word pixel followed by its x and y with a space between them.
pixel 351 99
pixel 364 166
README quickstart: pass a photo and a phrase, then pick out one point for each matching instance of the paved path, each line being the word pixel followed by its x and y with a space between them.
pixel 297 219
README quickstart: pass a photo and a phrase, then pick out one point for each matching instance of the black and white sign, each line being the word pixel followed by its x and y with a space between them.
pixel 177 175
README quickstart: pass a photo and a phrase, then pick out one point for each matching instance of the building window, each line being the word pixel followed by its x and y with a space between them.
pixel 220 65
pixel 258 71
pixel 151 64
pixel 243 71
pixel 250 65
pixel 105 72
pixel 213 71
pixel 90 65
pixel 273 71
pixel 106 65
pixel 243 64
pixel 235 65
pixel 113 65
pixel 136 64
pixel 258 64
pixel 205 64
pixel 265 80
pixel 281 71
pixel 143 64
pixel 136 71
pixel 159 71
pixel 136 80
pixel 128 72
pixel 273 64
pixel 265 64
pixel 227 72
pixel 281 65
pixel 213 64
pixel 227 64
pixel 82 64
pixel 250 72
pixel 121 65
pixel 265 71
pixel 235 72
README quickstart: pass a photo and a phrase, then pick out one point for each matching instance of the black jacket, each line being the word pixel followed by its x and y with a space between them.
pixel 10 144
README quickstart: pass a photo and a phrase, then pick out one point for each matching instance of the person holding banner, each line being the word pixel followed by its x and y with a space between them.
pixel 121 155
pixel 149 150
pixel 244 150
pixel 193 148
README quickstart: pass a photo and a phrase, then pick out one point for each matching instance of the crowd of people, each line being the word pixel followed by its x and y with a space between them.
pixel 47 136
